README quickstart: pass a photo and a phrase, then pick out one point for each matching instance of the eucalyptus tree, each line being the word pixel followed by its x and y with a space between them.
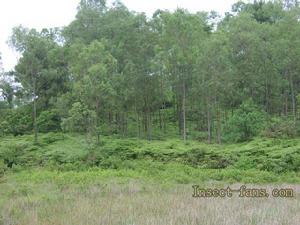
pixel 287 48
pixel 213 81
pixel 87 25
pixel 182 34
pixel 93 68
pixel 37 72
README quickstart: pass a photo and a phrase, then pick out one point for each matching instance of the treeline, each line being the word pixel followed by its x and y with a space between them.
pixel 114 71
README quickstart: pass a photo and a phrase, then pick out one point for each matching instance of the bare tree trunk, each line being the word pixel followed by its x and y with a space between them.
pixel 149 125
pixel 219 136
pixel 293 99
pixel 34 111
pixel 164 118
pixel 179 115
pixel 286 104
pixel 183 112
pixel 34 121
pixel 98 121
pixel 139 126
pixel 161 101
pixel 208 123
pixel 138 122
pixel 160 120
pixel 110 121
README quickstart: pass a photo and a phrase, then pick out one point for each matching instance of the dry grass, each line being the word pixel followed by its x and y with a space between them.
pixel 137 204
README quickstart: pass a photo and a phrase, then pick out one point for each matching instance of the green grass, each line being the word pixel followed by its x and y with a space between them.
pixel 65 152
pixel 64 173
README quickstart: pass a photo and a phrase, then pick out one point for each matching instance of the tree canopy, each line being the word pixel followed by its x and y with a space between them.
pixel 114 71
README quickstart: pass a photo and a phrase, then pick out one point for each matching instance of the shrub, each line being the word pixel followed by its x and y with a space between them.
pixel 80 119
pixel 3 167
pixel 51 138
pixel 17 121
pixel 4 128
pixel 245 123
pixel 195 156
pixel 280 128
pixel 12 154
pixel 49 121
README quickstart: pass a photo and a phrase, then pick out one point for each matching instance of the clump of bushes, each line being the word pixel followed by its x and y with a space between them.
pixel 49 120
pixel 16 122
pixel 245 123
pixel 3 167
pixel 281 128
pixel 80 119
pixel 51 138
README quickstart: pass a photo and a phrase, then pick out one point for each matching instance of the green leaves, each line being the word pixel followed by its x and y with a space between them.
pixel 139 75
pixel 245 123
pixel 80 119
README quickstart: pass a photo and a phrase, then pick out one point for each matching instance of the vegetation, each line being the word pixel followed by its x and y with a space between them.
pixel 113 71
pixel 180 98
pixel 259 161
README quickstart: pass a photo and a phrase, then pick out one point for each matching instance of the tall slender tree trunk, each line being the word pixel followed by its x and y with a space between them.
pixel 219 127
pixel 125 124
pixel 110 121
pixel 164 118
pixel 160 120
pixel 149 125
pixel 98 121
pixel 293 98
pixel 286 104
pixel 161 102
pixel 138 122
pixel 179 114
pixel 34 121
pixel 183 111
pixel 208 122
pixel 34 112
pixel 266 96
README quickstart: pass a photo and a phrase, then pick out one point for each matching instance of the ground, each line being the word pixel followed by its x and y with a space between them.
pixel 65 179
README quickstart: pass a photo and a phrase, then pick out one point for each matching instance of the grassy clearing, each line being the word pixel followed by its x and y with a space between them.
pixel 67 180
pixel 138 202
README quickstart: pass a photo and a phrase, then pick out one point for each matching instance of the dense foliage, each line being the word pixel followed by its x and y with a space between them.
pixel 65 152
pixel 113 71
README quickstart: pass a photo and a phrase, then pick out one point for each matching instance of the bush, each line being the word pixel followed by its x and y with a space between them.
pixel 3 167
pixel 245 123
pixel 80 119
pixel 4 128
pixel 12 154
pixel 280 128
pixel 50 138
pixel 49 121
pixel 17 121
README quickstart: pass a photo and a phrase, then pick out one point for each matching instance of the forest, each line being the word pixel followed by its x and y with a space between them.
pixel 197 76
pixel 120 104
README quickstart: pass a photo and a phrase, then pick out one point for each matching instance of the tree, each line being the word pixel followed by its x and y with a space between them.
pixel 38 70
pixel 80 119
pixel 287 50
pixel 93 69
pixel 7 91
pixel 214 81
pixel 182 34
pixel 146 77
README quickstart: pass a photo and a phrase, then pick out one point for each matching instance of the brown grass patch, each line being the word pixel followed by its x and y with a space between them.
pixel 137 204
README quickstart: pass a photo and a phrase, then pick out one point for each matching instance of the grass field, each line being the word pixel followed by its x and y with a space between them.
pixel 137 202
pixel 66 180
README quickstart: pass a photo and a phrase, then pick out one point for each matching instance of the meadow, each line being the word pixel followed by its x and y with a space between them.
pixel 65 179
pixel 114 117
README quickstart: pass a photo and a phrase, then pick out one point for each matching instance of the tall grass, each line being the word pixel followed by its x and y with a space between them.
pixel 136 203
